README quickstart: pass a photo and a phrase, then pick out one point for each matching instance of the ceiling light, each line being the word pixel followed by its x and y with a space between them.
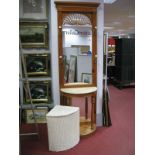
pixel 120 30
pixel 131 28
pixel 116 23
pixel 108 27
pixel 109 1
pixel 131 16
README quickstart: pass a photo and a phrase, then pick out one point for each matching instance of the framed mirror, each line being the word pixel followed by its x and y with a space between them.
pixel 77 43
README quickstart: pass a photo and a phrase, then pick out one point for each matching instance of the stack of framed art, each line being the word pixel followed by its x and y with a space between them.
pixel 34 40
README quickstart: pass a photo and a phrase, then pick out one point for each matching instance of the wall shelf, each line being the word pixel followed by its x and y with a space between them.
pixel 28 106
pixel 37 79
pixel 36 51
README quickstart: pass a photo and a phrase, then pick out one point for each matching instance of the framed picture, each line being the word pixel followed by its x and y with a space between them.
pixel 40 115
pixel 105 53
pixel 86 78
pixel 83 48
pixel 66 71
pixel 72 69
pixel 34 34
pixel 40 91
pixel 33 9
pixel 64 59
pixel 37 64
pixel 111 48
pixel 105 42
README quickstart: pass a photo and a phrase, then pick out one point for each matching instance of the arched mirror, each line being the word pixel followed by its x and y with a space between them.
pixel 77 48
pixel 77 44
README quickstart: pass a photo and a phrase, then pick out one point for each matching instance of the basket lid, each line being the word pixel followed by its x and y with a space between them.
pixel 60 110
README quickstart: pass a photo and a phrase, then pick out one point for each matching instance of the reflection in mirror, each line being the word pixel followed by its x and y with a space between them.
pixel 77 53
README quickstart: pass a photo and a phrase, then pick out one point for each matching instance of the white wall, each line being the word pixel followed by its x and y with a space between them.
pixel 54 48
pixel 100 30
pixel 84 65
pixel 68 51
pixel 84 62
pixel 54 53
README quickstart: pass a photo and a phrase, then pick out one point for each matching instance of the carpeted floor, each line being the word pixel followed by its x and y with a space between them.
pixel 119 139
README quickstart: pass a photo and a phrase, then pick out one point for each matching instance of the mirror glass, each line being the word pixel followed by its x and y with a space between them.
pixel 77 49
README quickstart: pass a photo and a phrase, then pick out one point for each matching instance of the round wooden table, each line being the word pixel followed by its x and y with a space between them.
pixel 87 125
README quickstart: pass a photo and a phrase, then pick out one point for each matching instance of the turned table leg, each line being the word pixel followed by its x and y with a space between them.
pixel 86 107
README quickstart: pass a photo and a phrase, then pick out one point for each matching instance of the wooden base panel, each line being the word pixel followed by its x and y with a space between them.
pixel 85 127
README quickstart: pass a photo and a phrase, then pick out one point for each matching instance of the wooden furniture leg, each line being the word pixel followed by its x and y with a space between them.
pixel 94 109
pixel 92 112
pixel 86 107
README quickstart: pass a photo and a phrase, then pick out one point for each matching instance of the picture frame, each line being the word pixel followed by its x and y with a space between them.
pixel 105 43
pixel 33 9
pixel 34 34
pixel 105 52
pixel 37 64
pixel 72 69
pixel 40 92
pixel 86 77
pixel 64 59
pixel 66 72
pixel 83 48
pixel 111 48
pixel 40 115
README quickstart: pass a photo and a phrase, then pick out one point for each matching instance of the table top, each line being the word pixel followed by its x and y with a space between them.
pixel 78 91
pixel 75 84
